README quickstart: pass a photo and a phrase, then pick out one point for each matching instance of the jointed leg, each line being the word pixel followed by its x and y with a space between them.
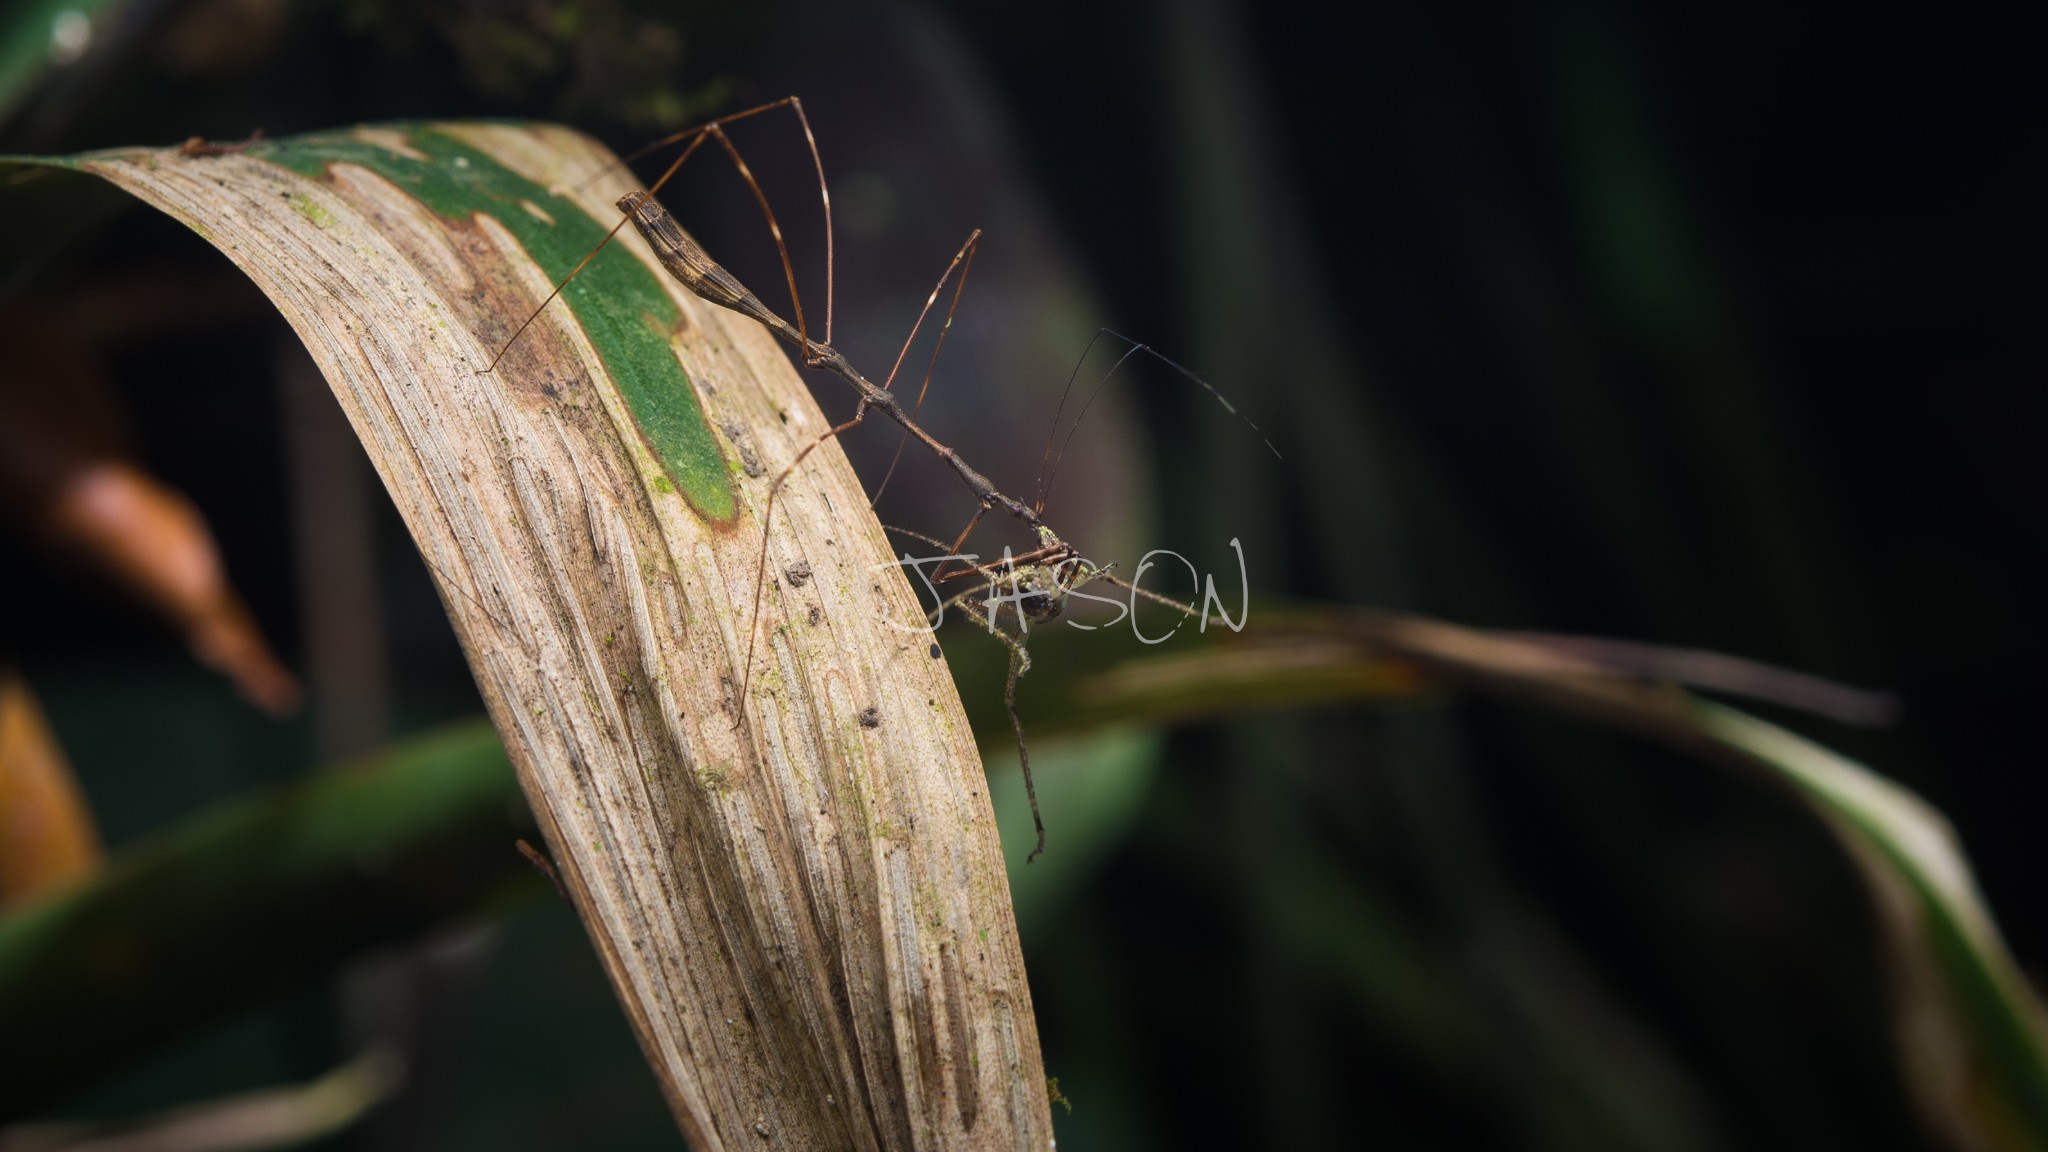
pixel 973 522
pixel 578 269
pixel 964 260
pixel 915 535
pixel 987 620
pixel 1020 662
pixel 696 136
pixel 796 303
pixel 952 553
pixel 1002 569
pixel 817 162
pixel 860 413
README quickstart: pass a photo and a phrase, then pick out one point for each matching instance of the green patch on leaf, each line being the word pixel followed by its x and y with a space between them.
pixel 618 302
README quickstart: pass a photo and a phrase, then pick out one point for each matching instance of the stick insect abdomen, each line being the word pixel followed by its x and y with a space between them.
pixel 688 263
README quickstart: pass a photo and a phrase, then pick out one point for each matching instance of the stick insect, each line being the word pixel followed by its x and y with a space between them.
pixel 1030 588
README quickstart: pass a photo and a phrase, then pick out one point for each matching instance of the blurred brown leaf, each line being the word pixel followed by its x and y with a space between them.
pixel 64 480
pixel 47 835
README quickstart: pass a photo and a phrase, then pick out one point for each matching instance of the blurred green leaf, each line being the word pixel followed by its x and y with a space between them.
pixel 1972 1039
pixel 252 898
pixel 1092 790
pixel 43 34
pixel 1970 1029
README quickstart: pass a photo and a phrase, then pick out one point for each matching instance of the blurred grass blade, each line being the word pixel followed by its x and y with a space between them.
pixel 285 1117
pixel 1970 1030
pixel 257 896
pixel 1972 1039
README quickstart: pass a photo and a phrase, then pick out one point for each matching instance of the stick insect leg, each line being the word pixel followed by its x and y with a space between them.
pixel 812 359
pixel 938 614
pixel 939 609
pixel 972 522
pixel 592 254
pixel 964 257
pixel 817 162
pixel 696 136
pixel 934 541
pixel 963 260
pixel 577 270
pixel 860 413
pixel 951 553
pixel 1020 662
pixel 1002 569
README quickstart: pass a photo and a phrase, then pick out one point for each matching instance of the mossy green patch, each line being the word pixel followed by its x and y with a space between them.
pixel 617 301
pixel 305 206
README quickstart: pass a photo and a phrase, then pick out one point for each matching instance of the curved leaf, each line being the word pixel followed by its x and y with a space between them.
pixel 1972 1035
pixel 795 888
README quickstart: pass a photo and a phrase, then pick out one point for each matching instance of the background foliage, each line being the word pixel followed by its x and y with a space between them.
pixel 1699 325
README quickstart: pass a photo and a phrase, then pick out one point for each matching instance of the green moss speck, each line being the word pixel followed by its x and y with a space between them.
pixel 1052 1091
pixel 304 206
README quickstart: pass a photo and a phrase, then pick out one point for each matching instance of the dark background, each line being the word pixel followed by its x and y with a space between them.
pixel 1698 324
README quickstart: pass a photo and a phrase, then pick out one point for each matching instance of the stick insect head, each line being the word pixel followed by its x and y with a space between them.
pixel 1042 588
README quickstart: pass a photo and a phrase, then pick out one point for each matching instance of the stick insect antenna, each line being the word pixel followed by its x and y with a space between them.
pixel 1045 474
pixel 1045 460
pixel 1187 610
pixel 1045 489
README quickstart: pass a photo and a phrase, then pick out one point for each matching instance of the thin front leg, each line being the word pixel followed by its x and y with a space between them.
pixel 696 136
pixel 1020 662
pixel 811 357
pixel 1004 568
pixel 972 523
pixel 578 269
pixel 963 260
pixel 817 162
pixel 860 413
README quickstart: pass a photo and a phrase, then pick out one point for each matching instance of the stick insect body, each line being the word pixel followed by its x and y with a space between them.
pixel 1031 588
